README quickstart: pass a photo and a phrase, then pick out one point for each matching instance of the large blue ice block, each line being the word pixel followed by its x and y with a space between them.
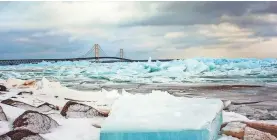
pixel 153 117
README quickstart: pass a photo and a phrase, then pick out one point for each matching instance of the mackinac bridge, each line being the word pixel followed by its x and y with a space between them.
pixel 95 54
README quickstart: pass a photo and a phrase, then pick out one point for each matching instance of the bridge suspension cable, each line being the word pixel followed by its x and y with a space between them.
pixel 96 51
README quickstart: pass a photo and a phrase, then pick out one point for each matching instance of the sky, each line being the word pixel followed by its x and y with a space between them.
pixel 178 29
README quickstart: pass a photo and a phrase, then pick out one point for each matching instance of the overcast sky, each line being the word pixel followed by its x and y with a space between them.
pixel 142 29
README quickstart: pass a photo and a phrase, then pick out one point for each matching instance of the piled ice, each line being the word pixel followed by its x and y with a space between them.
pixel 160 116
pixel 178 71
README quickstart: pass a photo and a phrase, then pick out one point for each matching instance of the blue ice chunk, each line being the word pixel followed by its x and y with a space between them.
pixel 163 117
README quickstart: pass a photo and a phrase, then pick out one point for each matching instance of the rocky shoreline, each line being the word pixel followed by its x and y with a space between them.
pixel 35 121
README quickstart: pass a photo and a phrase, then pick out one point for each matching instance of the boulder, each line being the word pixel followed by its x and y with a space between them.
pixel 3 116
pixel 253 134
pixel 35 122
pixel 77 110
pixel 21 135
pixel 45 107
pixel 18 104
pixel 264 127
pixel 3 88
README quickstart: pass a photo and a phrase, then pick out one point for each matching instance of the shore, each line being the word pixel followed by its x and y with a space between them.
pixel 241 103
pixel 257 102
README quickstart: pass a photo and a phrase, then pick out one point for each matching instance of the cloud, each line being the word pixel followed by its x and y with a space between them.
pixel 142 29
pixel 175 35
pixel 24 40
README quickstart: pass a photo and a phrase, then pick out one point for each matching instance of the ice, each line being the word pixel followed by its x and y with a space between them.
pixel 149 59
pixel 192 70
pixel 160 116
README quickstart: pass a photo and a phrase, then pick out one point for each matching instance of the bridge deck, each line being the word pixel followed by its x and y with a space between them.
pixel 117 59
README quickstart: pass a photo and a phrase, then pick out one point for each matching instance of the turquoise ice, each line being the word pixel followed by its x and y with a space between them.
pixel 200 70
pixel 163 117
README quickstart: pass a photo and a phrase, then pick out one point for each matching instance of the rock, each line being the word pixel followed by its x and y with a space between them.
pixel 3 88
pixel 35 122
pixel 264 127
pixel 96 125
pixel 21 135
pixel 25 92
pixel 45 107
pixel 273 115
pixel 234 129
pixel 77 110
pixel 253 134
pixel 18 104
pixel 3 116
pixel 251 113
pixel 29 83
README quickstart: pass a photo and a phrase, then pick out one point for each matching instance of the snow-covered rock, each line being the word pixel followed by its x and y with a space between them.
pixel 21 135
pixel 35 122
pixel 77 110
pixel 18 104
pixel 45 107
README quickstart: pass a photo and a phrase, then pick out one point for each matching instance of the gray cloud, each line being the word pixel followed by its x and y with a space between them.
pixel 268 7
pixel 190 13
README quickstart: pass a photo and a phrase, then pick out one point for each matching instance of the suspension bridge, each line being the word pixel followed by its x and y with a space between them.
pixel 95 54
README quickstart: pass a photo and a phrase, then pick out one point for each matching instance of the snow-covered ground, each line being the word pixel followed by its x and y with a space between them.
pixel 55 94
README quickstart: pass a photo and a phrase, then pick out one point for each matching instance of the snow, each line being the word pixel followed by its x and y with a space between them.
pixel 232 116
pixel 224 137
pixel 234 127
pixel 11 112
pixel 162 115
pixel 4 127
pixel 75 129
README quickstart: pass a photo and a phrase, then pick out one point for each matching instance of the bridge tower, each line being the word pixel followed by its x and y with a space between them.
pixel 121 53
pixel 96 52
